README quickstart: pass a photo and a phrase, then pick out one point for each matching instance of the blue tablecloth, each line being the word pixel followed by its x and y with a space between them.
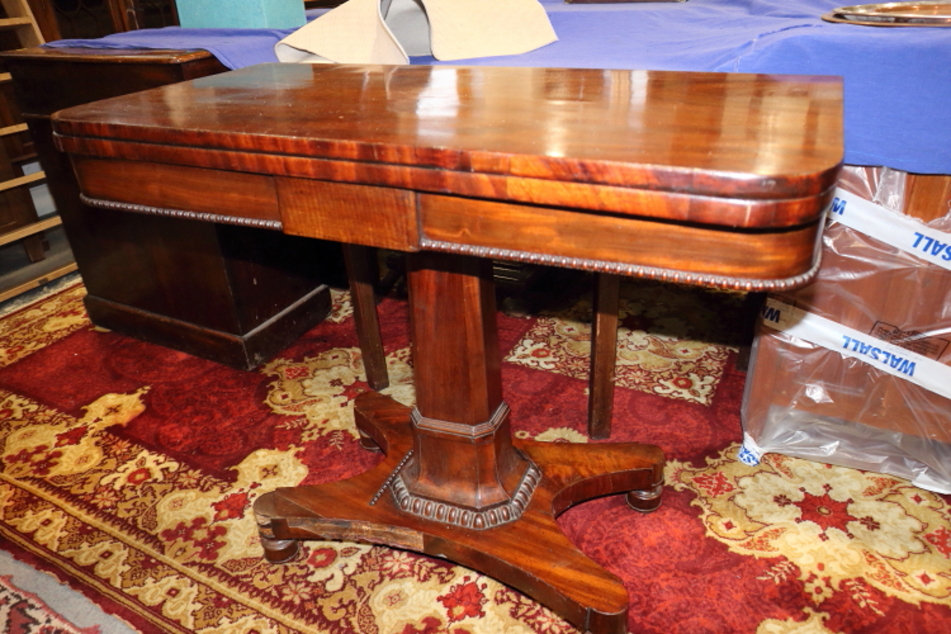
pixel 897 80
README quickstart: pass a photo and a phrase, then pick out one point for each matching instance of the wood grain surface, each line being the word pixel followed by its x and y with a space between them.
pixel 769 138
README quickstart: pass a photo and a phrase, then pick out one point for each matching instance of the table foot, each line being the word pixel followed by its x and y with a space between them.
pixel 280 551
pixel 529 553
pixel 366 442
pixel 645 501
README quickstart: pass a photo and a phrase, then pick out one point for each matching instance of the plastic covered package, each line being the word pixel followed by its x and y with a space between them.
pixel 855 369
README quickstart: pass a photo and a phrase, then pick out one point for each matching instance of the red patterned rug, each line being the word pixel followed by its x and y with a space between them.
pixel 23 612
pixel 128 471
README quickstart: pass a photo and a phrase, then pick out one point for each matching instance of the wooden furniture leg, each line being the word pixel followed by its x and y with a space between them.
pixel 749 315
pixel 453 483
pixel 606 306
pixel 362 276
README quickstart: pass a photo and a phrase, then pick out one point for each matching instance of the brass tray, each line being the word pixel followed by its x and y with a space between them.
pixel 894 14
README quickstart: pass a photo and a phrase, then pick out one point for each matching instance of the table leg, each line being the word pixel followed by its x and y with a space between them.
pixel 453 483
pixel 362 276
pixel 606 305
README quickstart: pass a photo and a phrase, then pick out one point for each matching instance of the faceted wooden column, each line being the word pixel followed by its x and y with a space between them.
pixel 459 407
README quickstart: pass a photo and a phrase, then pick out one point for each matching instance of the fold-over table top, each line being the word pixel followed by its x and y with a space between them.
pixel 769 138
pixel 709 153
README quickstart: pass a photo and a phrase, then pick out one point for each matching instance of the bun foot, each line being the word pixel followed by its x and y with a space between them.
pixel 646 500
pixel 369 443
pixel 280 551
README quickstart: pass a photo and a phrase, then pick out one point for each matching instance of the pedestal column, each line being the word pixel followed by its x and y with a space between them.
pixel 464 470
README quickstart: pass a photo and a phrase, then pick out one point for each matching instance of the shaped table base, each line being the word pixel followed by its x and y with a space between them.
pixel 529 553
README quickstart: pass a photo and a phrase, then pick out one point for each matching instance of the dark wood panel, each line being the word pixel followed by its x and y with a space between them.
pixel 246 350
pixel 82 75
pixel 175 187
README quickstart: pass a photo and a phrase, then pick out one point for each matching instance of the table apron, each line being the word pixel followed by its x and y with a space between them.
pixel 406 220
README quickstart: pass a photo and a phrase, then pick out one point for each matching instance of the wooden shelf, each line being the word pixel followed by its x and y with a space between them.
pixel 29 230
pixel 20 181
pixel 21 276
pixel 13 129
pixel 36 282
pixel 8 24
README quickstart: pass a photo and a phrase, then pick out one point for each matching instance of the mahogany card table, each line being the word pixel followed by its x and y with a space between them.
pixel 699 178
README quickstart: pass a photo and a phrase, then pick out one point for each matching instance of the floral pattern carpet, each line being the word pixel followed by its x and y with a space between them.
pixel 23 612
pixel 128 471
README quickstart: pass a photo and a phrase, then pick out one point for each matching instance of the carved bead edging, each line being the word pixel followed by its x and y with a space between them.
pixel 465 517
pixel 390 478
pixel 631 270
pixel 256 223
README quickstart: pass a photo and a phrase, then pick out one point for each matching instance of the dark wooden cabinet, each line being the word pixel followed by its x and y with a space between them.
pixel 232 294
pixel 89 19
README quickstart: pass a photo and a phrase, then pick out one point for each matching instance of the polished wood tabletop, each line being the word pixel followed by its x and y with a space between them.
pixel 704 150
pixel 712 179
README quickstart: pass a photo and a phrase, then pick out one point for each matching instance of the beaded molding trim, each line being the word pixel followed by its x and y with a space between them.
pixel 632 270
pixel 451 513
pixel 257 223
pixel 390 478
pixel 464 517
pixel 600 266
